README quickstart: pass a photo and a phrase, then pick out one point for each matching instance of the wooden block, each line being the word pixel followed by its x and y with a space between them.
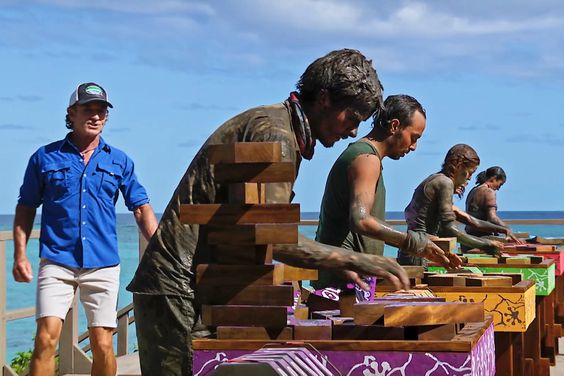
pixel 415 293
pixel 433 313
pixel 535 248
pixel 444 332
pixel 320 303
pixel 409 298
pixel 367 332
pixel 263 233
pixel 446 244
pixel 292 273
pixel 469 270
pixel 230 254
pixel 517 260
pixel 245 152
pixel 446 280
pixel 301 312
pixel 489 281
pixel 536 259
pixel 247 193
pixel 229 275
pixel 325 315
pixel 427 274
pixel 231 214
pixel 482 260
pixel 244 315
pixel 254 332
pixel 340 320
pixel 279 172
pixel 282 295
pixel 312 329
pixel 515 277
pixel 385 282
pixel 413 313
pixel 347 300
pixel 369 313
pixel 528 248
pixel 414 271
pixel 521 235
pixel 546 240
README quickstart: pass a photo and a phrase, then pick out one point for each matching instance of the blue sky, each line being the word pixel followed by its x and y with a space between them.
pixel 490 74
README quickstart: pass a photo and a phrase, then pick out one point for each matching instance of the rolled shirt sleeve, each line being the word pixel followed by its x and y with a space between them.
pixel 31 190
pixel 134 194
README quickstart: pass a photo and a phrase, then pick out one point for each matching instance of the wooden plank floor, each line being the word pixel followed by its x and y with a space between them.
pixel 128 365
pixel 558 369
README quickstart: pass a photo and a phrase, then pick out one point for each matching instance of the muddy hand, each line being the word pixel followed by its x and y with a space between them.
pixel 383 267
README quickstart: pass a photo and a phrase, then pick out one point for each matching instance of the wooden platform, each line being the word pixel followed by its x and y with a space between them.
pixel 128 365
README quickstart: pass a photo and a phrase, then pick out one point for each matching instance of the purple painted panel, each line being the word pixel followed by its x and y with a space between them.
pixel 361 295
pixel 480 362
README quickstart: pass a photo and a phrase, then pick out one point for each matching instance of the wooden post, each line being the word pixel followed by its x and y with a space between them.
pixel 122 334
pixel 71 357
pixel 4 367
pixel 3 288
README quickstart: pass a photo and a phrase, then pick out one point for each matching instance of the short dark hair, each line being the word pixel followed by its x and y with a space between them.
pixel 492 172
pixel 68 122
pixel 401 107
pixel 348 77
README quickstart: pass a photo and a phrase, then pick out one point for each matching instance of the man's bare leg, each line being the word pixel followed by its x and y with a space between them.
pixel 46 338
pixel 103 358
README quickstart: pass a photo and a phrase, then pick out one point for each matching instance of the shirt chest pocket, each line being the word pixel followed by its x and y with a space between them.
pixel 56 179
pixel 111 177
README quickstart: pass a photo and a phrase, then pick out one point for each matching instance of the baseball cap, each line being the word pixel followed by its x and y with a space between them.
pixel 89 92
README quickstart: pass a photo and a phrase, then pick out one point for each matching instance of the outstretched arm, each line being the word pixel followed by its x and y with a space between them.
pixel 444 191
pixel 311 254
pixel 363 176
pixel 490 202
pixel 493 218
pixel 485 226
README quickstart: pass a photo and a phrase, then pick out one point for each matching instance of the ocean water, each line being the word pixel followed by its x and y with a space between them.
pixel 21 295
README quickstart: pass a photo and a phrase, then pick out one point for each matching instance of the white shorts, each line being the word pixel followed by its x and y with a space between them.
pixel 57 284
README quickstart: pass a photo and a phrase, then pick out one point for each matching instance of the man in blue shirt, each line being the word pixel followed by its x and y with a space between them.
pixel 77 180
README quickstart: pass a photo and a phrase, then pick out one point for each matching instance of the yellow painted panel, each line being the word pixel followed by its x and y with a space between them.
pixel 512 312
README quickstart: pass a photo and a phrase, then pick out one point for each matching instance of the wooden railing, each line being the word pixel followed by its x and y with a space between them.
pixel 72 357
pixel 400 222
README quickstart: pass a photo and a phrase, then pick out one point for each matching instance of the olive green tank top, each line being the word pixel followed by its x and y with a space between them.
pixel 334 228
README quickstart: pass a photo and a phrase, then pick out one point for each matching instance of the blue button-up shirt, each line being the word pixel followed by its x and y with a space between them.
pixel 78 219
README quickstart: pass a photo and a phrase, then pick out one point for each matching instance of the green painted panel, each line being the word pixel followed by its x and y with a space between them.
pixel 543 277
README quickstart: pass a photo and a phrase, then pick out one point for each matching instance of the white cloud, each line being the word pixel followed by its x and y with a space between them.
pixel 516 40
pixel 137 6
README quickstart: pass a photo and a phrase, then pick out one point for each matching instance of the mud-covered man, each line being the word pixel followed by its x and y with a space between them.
pixel 353 205
pixel 335 93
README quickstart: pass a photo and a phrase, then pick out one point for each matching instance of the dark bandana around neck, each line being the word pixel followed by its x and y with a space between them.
pixel 306 142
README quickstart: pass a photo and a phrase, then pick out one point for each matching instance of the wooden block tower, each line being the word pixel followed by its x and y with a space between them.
pixel 243 292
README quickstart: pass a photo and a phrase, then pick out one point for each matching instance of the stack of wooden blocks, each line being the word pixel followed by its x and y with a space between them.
pixel 507 260
pixel 472 280
pixel 402 316
pixel 243 293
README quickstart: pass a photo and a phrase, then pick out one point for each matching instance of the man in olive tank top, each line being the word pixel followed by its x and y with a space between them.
pixel 353 206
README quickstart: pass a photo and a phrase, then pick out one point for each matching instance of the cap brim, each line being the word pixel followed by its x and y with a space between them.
pixel 94 100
